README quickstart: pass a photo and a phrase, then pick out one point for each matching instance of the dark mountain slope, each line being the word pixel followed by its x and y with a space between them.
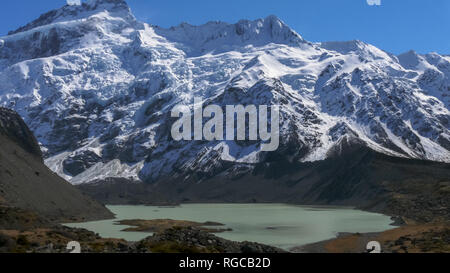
pixel 13 127
pixel 26 183
pixel 416 189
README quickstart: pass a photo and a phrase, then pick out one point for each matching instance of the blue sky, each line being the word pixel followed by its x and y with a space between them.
pixel 395 25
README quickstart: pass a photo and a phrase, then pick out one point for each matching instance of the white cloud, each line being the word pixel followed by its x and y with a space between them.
pixel 374 2
pixel 74 2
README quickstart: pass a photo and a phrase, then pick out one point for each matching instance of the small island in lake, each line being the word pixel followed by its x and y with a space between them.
pixel 159 225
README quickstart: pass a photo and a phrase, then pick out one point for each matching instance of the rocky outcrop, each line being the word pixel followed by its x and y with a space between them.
pixel 195 240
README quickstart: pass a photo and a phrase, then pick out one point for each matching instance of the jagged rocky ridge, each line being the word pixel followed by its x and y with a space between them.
pixel 96 87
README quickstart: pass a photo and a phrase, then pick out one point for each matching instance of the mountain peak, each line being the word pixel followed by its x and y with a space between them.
pixel 219 36
pixel 410 59
pixel 275 21
pixel 360 48
pixel 273 17
pixel 272 27
pixel 72 12
pixel 107 4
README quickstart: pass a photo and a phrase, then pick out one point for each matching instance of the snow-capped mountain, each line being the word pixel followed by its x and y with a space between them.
pixel 96 86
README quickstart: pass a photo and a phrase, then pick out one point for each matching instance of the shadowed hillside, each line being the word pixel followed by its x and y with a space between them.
pixel 26 183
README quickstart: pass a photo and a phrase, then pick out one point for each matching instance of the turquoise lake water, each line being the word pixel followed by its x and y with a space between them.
pixel 279 225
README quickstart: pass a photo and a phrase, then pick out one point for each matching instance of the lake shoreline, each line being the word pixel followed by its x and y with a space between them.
pixel 412 238
pixel 398 220
pixel 280 225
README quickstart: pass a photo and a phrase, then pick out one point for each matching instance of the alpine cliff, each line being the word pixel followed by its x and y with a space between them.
pixel 96 86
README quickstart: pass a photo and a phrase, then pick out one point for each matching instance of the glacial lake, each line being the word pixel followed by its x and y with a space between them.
pixel 279 225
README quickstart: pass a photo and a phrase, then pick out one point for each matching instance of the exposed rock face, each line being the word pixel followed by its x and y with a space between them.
pixel 78 163
pixel 26 183
pixel 195 240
